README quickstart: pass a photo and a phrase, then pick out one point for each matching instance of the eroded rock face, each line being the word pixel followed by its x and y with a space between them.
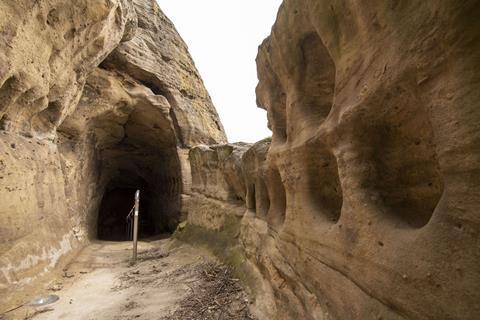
pixel 217 170
pixel 48 49
pixel 95 96
pixel 364 205
pixel 158 59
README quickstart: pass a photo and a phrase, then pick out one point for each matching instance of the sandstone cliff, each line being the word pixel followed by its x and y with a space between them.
pixel 365 204
pixel 94 95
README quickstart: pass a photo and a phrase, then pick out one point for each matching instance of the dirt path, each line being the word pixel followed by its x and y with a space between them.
pixel 170 281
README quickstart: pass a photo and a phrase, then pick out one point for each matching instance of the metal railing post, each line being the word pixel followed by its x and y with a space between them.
pixel 135 226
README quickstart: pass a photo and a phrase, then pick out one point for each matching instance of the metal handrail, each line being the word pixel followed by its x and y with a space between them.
pixel 130 212
pixel 135 225
pixel 132 228
pixel 129 230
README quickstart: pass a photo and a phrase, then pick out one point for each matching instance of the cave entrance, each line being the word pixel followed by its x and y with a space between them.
pixel 158 177
pixel 116 205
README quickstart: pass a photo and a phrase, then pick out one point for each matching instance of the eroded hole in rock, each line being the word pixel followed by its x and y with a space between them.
pixel 315 80
pixel 278 119
pixel 47 119
pixel 262 198
pixel 251 197
pixel 408 177
pixel 10 90
pixel 278 200
pixel 271 96
pixel 323 184
pixel 4 122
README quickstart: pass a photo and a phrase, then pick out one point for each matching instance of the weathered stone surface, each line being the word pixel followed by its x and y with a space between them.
pixel 83 113
pixel 47 50
pixel 217 171
pixel 364 206
pixel 158 58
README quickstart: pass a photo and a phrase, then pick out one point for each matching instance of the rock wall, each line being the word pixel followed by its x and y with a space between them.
pixel 364 205
pixel 94 95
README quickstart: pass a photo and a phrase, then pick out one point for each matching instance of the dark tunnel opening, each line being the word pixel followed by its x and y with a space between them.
pixel 146 159
pixel 160 185
pixel 114 209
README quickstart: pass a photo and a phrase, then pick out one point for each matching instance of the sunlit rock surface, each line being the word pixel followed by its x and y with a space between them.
pixel 94 95
pixel 365 204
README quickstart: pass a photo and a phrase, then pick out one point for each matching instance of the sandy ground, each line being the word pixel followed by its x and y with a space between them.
pixel 101 285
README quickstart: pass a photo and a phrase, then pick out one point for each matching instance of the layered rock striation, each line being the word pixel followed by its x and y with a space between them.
pixel 95 96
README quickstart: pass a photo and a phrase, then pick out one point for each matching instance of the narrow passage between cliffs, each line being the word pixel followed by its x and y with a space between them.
pixel 171 280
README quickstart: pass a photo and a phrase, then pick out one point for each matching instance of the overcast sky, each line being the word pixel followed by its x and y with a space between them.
pixel 223 38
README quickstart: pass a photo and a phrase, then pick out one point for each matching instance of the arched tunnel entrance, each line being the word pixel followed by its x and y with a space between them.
pixel 136 147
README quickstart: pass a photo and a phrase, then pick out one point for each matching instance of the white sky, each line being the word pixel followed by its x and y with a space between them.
pixel 223 37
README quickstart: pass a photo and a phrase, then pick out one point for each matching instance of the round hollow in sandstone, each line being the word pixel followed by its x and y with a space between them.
pixel 398 146
pixel 262 198
pixel 314 83
pixel 250 197
pixel 407 176
pixel 278 199
pixel 324 191
pixel 46 120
